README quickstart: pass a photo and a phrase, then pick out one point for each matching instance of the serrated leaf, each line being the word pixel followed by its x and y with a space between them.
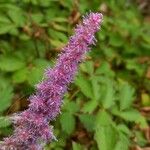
pixel 37 17
pixel 71 107
pixel 126 95
pixel 108 97
pixel 37 71
pixel 130 115
pixel 95 87
pixel 58 35
pixel 20 75
pixel 56 43
pixel 41 63
pixel 115 40
pixel 4 19
pixel 145 98
pixel 87 67
pixel 11 64
pixel 59 27
pixel 124 129
pixel 134 65
pixel 106 137
pixel 46 3
pixel 60 19
pixel 6 131
pixel 67 121
pixel 36 77
pixel 6 28
pixel 6 96
pixel 122 143
pixel 76 146
pixel 140 138
pixel 90 106
pixel 103 118
pixel 88 121
pixel 104 69
pixel 84 85
pixel 17 16
pixel 4 122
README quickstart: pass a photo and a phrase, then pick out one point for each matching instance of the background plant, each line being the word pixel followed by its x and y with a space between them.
pixel 108 106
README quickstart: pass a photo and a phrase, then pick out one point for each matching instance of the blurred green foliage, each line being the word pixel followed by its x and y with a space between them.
pixel 104 109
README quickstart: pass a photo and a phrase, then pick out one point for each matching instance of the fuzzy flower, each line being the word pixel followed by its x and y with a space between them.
pixel 31 127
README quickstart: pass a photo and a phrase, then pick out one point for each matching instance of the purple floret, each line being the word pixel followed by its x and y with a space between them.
pixel 32 129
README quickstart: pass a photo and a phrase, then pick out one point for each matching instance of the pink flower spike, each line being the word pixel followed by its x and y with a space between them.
pixel 32 130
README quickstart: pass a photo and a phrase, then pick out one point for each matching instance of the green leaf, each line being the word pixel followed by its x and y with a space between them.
pixel 58 35
pixel 5 98
pixel 56 43
pixel 36 75
pixel 102 35
pixel 108 91
pixel 6 94
pixel 5 24
pixel 6 28
pixel 4 122
pixel 90 106
pixel 4 19
pixel 84 85
pixel 6 131
pixel 76 146
pixel 95 87
pixel 103 118
pixel 71 107
pixel 105 134
pixel 20 76
pixel 115 40
pixel 131 115
pixel 145 98
pixel 135 66
pixel 87 67
pixel 37 17
pixel 17 16
pixel 124 129
pixel 37 71
pixel 104 69
pixel 122 143
pixel 11 64
pixel 45 3
pixel 140 139
pixel 106 137
pixel 42 63
pixel 88 121
pixel 59 27
pixel 126 95
pixel 67 121
pixel 60 19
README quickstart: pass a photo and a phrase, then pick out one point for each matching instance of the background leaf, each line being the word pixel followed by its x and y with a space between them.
pixel 11 64
pixel 126 95
pixel 67 121
pixel 4 122
pixel 84 85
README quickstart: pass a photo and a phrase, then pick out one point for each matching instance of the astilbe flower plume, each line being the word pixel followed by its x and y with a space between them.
pixel 31 127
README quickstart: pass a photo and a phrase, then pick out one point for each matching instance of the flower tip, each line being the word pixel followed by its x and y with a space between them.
pixel 93 19
pixel 97 17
